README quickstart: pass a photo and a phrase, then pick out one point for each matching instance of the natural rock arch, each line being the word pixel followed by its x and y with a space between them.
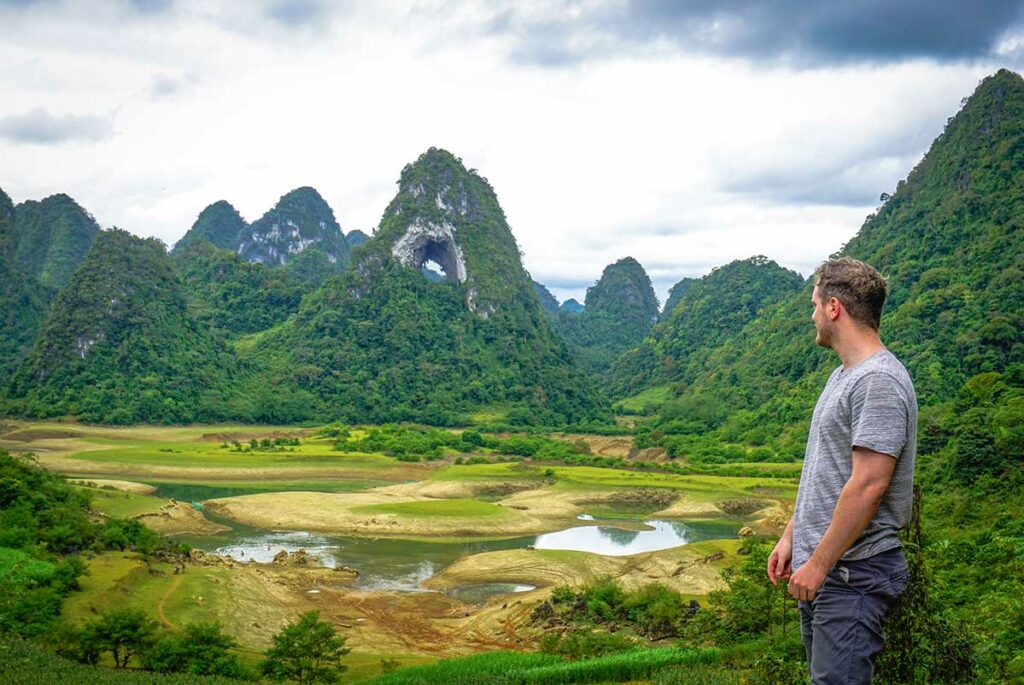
pixel 427 241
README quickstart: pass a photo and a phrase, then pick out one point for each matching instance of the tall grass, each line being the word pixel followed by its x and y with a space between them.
pixel 513 668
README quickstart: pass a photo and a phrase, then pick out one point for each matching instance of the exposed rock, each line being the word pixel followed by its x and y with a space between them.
pixel 425 240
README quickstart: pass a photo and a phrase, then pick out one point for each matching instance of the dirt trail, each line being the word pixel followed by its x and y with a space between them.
pixel 160 612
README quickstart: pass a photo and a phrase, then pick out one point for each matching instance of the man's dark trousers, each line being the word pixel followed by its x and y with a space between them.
pixel 842 627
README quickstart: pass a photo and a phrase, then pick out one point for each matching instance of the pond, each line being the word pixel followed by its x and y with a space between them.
pixel 402 564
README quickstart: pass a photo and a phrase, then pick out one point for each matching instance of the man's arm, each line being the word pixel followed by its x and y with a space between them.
pixel 857 505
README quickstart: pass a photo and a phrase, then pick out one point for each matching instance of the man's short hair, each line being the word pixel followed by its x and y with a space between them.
pixel 857 285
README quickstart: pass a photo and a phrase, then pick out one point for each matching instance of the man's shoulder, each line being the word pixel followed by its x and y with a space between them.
pixel 884 366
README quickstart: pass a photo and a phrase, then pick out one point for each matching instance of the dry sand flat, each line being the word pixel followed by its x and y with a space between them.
pixel 525 512
pixel 691 569
pixel 122 485
pixel 177 518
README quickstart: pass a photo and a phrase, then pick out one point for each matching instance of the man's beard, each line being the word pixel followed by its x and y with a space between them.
pixel 824 335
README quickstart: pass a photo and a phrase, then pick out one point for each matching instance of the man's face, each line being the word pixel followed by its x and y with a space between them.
pixel 822 324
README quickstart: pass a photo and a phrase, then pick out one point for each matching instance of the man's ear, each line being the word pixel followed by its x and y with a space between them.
pixel 833 308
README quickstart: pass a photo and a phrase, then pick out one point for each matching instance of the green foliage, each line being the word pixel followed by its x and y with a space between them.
pixel 547 301
pixel 585 644
pixel 42 520
pixel 922 644
pixel 119 346
pixel 652 611
pixel 705 314
pixel 512 668
pixel 53 237
pixel 220 225
pixel 620 309
pixel 23 300
pixel 232 295
pixel 124 633
pixel 25 663
pixel 201 649
pixel 381 343
pixel 675 294
pixel 749 608
pixel 307 651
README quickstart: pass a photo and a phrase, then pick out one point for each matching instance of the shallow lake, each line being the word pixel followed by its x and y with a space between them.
pixel 401 565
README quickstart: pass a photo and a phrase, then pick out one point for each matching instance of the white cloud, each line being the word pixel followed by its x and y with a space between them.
pixel 683 162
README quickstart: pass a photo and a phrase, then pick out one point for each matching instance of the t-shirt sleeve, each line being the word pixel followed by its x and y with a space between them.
pixel 879 414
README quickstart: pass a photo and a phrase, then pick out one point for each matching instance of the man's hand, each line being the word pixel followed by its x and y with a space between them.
pixel 807 580
pixel 780 561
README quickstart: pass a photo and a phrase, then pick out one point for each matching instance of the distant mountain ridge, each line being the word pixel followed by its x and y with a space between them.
pixel 300 231
pixel 620 308
pixel 119 346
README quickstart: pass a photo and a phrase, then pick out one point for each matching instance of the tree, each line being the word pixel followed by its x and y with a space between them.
pixel 122 632
pixel 308 651
pixel 202 649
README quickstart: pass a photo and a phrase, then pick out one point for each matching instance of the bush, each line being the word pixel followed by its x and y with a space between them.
pixel 308 651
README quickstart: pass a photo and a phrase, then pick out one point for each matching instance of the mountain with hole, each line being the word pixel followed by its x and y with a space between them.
pixel 387 342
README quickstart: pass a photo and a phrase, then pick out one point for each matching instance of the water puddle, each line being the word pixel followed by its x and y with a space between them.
pixel 478 594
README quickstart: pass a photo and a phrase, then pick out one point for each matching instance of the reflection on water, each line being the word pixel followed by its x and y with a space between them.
pixel 476 594
pixel 401 565
pixel 616 542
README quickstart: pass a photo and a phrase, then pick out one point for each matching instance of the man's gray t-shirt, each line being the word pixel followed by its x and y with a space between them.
pixel 870 405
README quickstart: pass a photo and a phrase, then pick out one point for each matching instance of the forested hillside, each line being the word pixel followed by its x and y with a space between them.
pixel 220 224
pixel 53 236
pixel 119 345
pixel 706 313
pixel 385 343
pixel 620 309
pixel 23 301
pixel 232 296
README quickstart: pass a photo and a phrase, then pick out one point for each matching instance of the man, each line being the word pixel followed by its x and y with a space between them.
pixel 840 551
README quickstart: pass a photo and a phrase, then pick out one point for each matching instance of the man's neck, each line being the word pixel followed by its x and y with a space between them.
pixel 857 346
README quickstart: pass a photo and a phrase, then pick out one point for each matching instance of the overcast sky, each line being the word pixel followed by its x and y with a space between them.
pixel 680 133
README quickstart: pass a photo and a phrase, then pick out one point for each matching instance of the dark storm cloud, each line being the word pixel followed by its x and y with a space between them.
pixel 828 31
pixel 151 6
pixel 296 13
pixel 41 127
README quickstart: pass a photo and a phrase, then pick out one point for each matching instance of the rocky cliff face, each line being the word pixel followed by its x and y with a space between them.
pixel 299 221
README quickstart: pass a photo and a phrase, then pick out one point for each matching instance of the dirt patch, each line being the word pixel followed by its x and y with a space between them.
pixel 686 507
pixel 122 485
pixel 649 454
pixel 743 506
pixel 603 445
pixel 645 498
pixel 33 434
pixel 176 518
